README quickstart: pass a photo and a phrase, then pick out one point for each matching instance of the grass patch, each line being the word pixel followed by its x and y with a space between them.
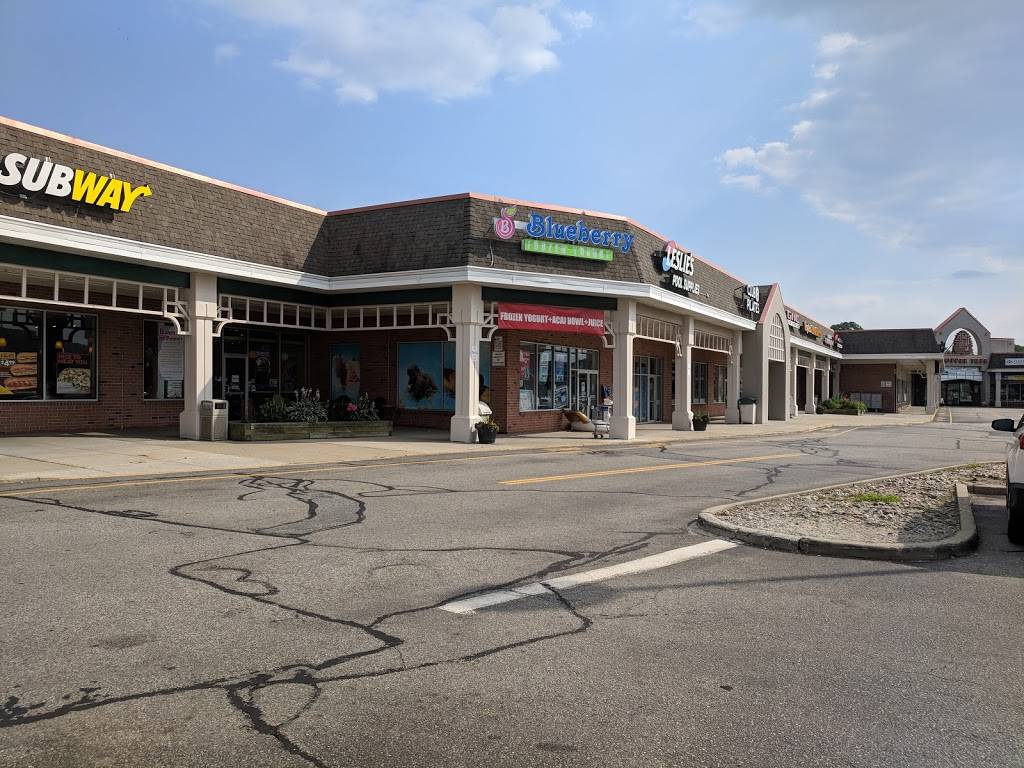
pixel 876 498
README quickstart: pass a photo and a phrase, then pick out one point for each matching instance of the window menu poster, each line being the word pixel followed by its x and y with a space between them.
pixel 74 373
pixel 19 373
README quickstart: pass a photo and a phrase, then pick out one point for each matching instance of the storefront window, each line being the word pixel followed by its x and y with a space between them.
pixel 293 362
pixel 700 383
pixel 561 377
pixel 71 356
pixel 545 377
pixel 163 362
pixel 721 383
pixel 263 362
pixel 528 377
pixel 552 378
pixel 20 354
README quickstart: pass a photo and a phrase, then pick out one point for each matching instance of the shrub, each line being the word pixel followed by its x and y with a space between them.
pixel 274 409
pixel 307 407
pixel 835 403
pixel 365 409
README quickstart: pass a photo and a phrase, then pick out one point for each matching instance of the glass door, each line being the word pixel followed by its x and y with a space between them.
pixel 586 392
pixel 236 385
pixel 647 387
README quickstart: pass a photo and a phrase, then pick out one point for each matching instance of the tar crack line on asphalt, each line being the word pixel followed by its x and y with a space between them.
pixel 242 691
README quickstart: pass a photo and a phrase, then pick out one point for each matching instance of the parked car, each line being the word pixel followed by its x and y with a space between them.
pixel 1014 476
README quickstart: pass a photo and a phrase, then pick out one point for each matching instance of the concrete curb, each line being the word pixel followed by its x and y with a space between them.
pixel 963 541
pixel 7 487
pixel 986 490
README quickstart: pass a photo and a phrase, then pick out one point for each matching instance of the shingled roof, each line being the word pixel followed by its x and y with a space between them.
pixel 998 360
pixel 894 341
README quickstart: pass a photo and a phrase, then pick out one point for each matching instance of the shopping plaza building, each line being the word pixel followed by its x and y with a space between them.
pixel 131 292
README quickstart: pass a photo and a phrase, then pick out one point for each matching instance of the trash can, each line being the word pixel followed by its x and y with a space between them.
pixel 748 410
pixel 213 419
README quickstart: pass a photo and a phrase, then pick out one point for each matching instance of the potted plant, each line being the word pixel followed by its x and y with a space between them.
pixel 487 431
pixel 700 422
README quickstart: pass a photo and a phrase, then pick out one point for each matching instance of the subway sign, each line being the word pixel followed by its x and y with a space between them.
pixel 79 185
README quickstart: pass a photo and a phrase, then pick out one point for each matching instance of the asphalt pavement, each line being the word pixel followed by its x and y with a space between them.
pixel 304 618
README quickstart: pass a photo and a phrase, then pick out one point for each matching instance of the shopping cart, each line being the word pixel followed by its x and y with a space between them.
pixel 602 418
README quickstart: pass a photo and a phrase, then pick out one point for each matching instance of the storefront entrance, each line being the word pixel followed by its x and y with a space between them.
pixel 586 396
pixel 647 388
pixel 961 392
pixel 801 388
pixel 236 385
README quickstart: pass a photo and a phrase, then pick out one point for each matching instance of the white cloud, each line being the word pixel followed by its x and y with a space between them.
pixel 709 19
pixel 837 44
pixel 578 21
pixel 802 129
pixel 445 50
pixel 226 51
pixel 826 71
pixel 750 181
pixel 817 97
pixel 908 133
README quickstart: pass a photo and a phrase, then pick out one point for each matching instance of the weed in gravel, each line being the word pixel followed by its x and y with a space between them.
pixel 876 498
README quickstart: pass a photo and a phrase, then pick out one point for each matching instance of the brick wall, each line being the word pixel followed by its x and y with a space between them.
pixel 119 406
pixel 868 377
pixel 379 372
pixel 712 359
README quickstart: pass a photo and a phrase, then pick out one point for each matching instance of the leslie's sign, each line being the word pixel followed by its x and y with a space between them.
pixel 30 174
pixel 535 317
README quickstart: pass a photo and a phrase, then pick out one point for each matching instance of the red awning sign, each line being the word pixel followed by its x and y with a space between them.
pixel 536 317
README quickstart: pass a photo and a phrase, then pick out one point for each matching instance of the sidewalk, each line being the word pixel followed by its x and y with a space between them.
pixel 117 454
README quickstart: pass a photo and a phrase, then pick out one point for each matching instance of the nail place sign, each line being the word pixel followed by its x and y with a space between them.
pixel 30 174
pixel 545 235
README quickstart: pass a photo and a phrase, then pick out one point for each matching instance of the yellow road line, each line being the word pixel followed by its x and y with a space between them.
pixel 234 475
pixel 654 468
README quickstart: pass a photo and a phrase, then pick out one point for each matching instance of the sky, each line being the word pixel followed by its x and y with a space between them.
pixel 866 155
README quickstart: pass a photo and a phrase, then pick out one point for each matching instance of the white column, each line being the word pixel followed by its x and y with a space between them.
pixel 794 359
pixel 732 410
pixel 682 414
pixel 202 308
pixel 933 387
pixel 999 389
pixel 809 402
pixel 467 317
pixel 623 423
pixel 825 393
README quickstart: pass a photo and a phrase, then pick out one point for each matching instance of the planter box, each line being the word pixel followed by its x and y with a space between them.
pixel 843 412
pixel 323 430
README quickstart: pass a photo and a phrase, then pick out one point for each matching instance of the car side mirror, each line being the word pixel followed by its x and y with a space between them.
pixel 1003 425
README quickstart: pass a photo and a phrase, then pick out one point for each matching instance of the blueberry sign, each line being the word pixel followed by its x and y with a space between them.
pixel 578 241
pixel 544 227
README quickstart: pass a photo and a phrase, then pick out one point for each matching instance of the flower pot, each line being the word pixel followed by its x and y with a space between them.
pixel 699 425
pixel 485 434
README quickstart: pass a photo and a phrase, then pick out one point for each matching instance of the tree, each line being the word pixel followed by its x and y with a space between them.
pixel 848 325
pixel 1018 347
